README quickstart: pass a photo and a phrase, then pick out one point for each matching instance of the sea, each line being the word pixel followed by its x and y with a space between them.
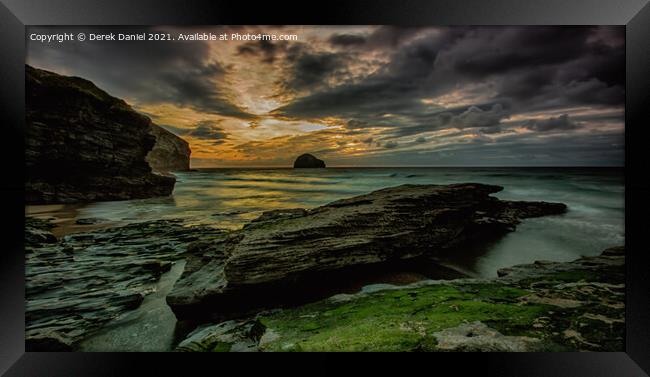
pixel 229 198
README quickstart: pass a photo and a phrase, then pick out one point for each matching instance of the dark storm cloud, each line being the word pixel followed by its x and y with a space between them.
pixel 551 67
pixel 396 88
pixel 383 37
pixel 530 91
pixel 311 69
pixel 491 130
pixel 266 50
pixel 551 124
pixel 356 124
pixel 346 40
pixel 511 49
pixel 474 116
pixel 153 72
pixel 615 116
pixel 390 37
pixel 486 118
pixel 210 131
pixel 308 69
pixel 526 68
pixel 605 149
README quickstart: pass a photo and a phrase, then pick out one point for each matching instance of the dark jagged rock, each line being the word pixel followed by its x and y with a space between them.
pixel 612 257
pixel 77 284
pixel 230 336
pixel 47 342
pixel 84 145
pixel 278 214
pixel 37 232
pixel 289 252
pixel 308 161
pixel 543 306
pixel 170 153
pixel 90 221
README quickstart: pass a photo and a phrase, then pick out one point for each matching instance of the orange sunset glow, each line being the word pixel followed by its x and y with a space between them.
pixel 371 96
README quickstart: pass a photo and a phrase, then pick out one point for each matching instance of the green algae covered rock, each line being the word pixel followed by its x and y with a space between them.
pixel 396 319
pixel 544 306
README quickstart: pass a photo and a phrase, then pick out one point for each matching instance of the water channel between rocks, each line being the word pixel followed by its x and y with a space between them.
pixel 149 328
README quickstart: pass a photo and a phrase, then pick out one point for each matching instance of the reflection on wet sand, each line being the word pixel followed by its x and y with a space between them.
pixel 65 217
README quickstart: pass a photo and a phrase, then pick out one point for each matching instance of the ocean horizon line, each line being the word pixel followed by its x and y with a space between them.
pixel 422 166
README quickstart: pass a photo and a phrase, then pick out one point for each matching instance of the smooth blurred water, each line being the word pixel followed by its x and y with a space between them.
pixel 149 328
pixel 231 197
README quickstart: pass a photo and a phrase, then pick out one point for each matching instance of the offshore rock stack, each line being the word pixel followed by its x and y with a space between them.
pixel 308 161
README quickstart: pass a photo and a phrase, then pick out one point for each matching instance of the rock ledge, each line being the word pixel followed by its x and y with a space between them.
pixel 285 255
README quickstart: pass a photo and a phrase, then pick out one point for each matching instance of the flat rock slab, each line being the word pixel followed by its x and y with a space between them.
pixel 287 253
pixel 77 284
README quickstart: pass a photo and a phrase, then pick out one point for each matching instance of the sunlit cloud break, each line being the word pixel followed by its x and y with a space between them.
pixel 369 96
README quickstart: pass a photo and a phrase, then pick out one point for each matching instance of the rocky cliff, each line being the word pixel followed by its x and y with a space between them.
pixel 84 145
pixel 170 153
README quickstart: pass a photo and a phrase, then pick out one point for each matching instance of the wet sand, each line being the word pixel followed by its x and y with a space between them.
pixel 64 217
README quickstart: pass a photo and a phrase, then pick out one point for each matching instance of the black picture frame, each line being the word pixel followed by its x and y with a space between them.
pixel 634 14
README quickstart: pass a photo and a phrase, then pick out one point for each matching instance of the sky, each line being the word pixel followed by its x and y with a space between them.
pixel 369 95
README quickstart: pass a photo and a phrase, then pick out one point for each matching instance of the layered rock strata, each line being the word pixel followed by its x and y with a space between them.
pixel 287 254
